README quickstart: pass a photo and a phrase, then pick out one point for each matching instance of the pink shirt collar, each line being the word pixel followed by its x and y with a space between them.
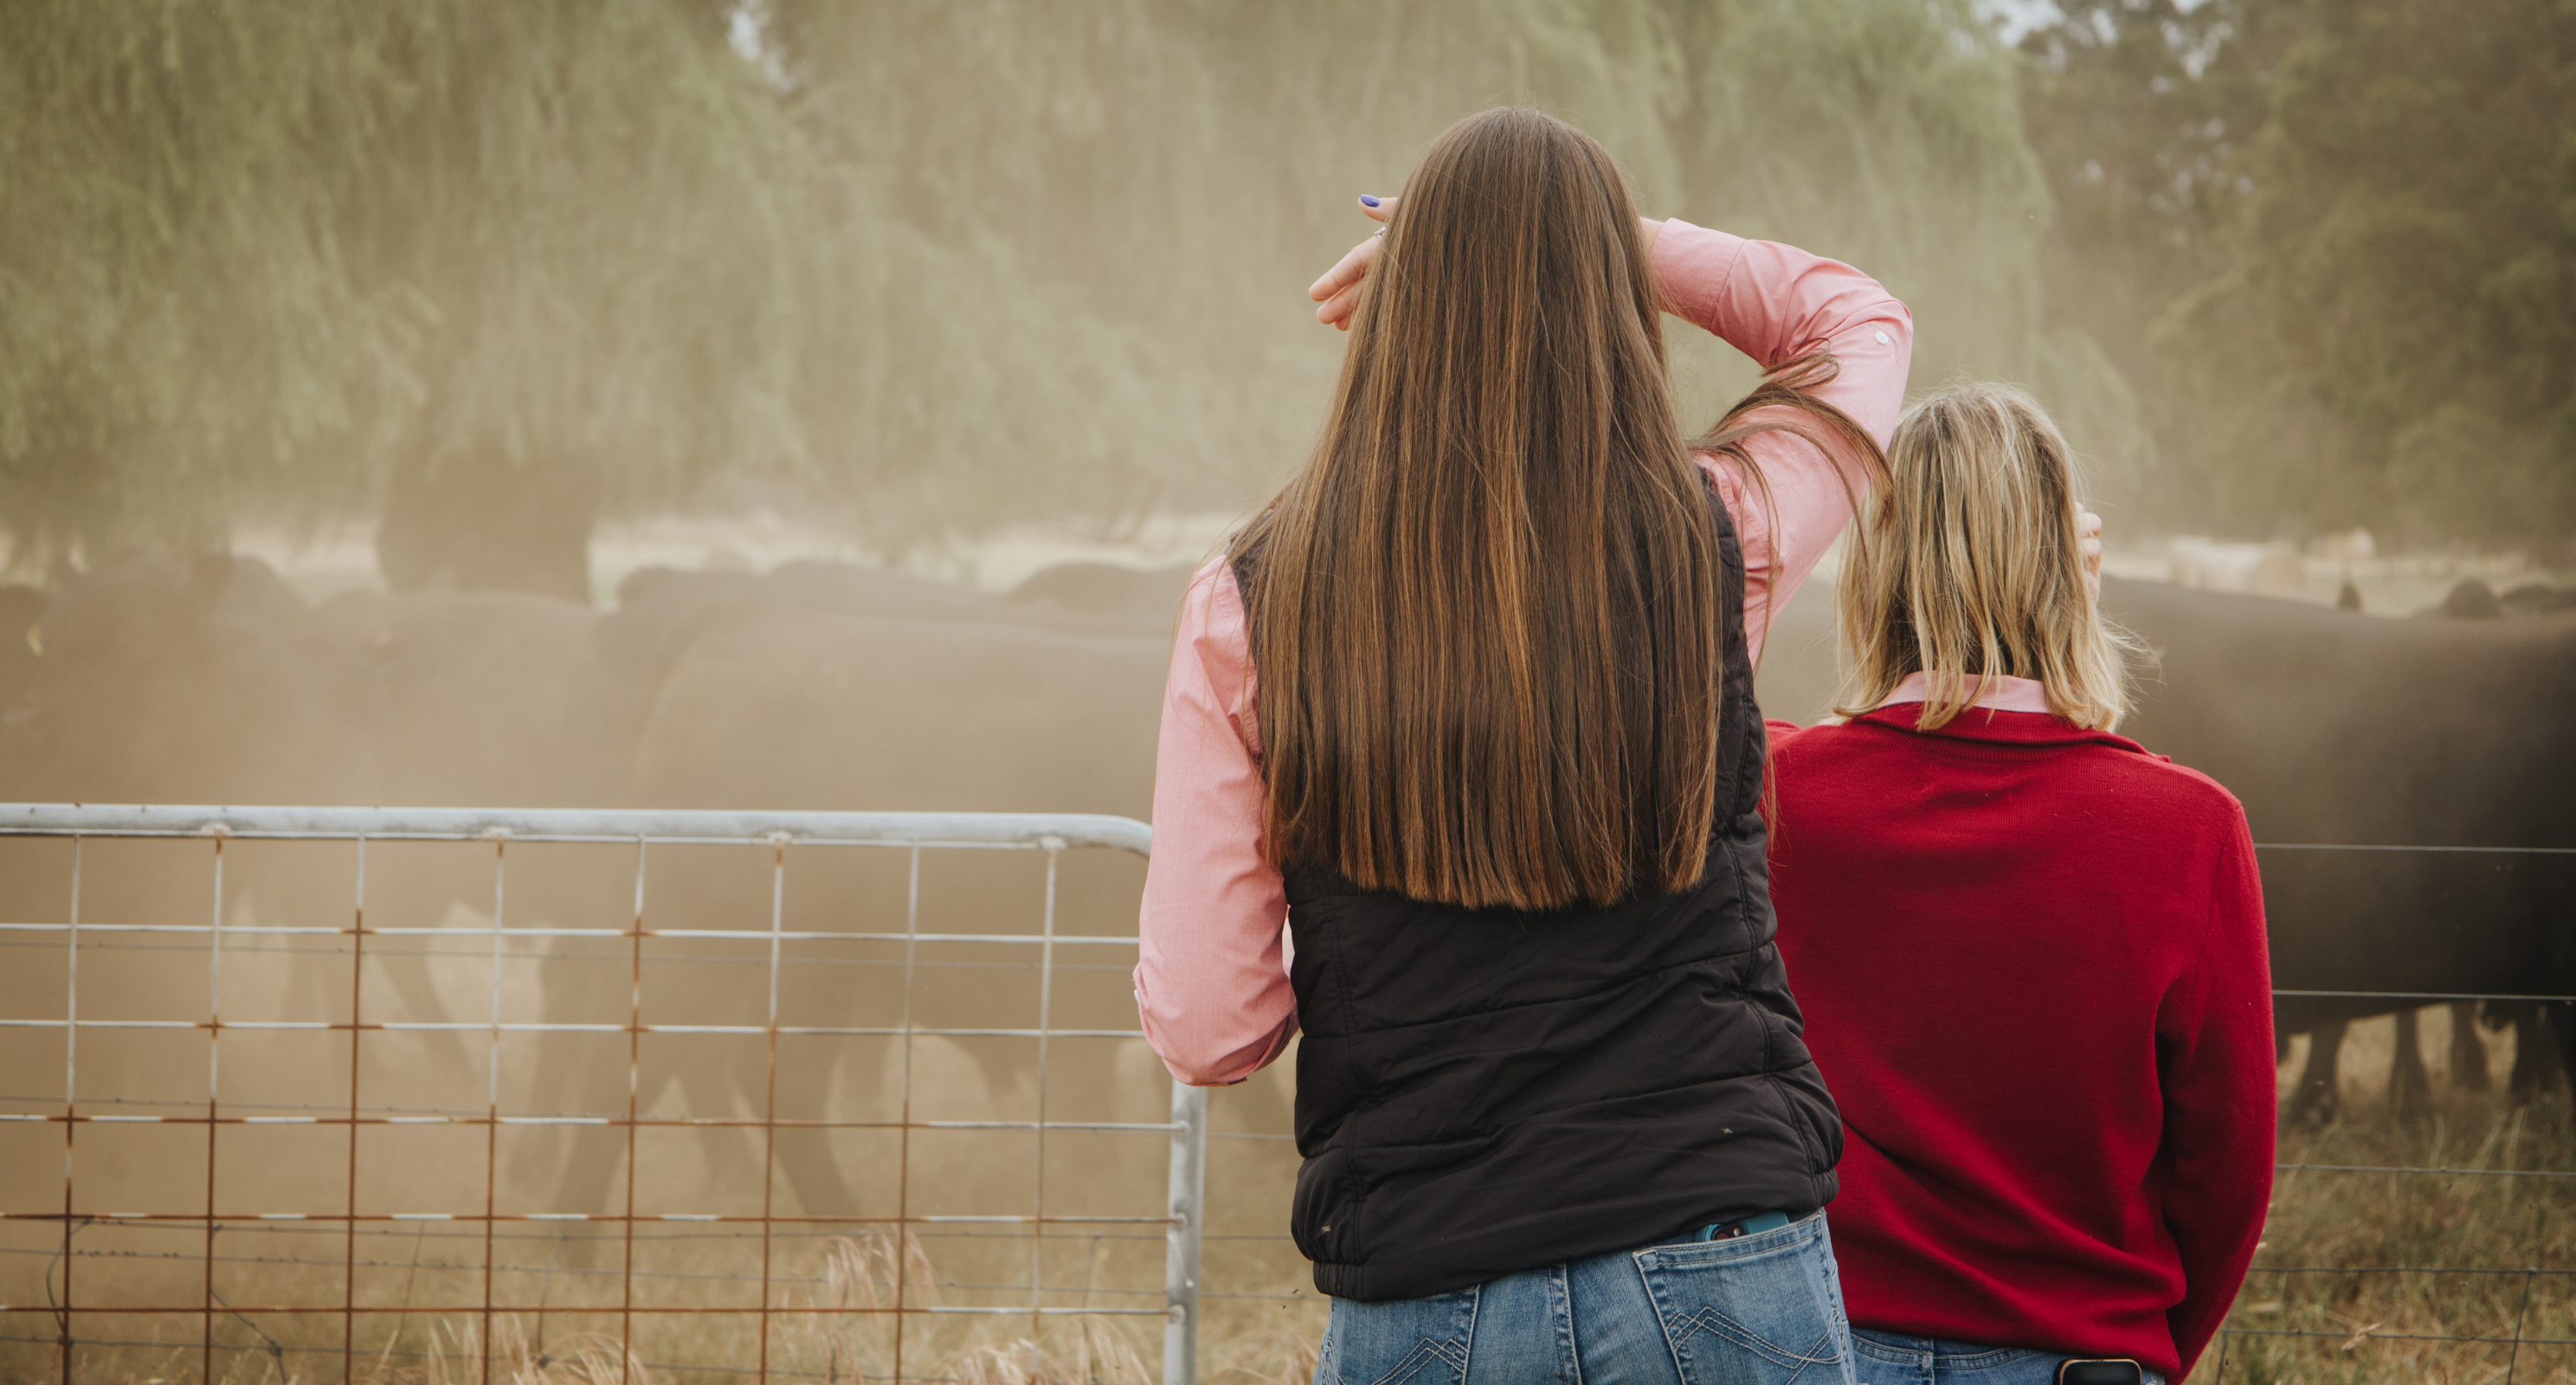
pixel 1997 693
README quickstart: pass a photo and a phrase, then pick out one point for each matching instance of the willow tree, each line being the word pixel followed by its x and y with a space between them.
pixel 492 265
pixel 1174 174
pixel 1890 133
pixel 496 269
pixel 175 321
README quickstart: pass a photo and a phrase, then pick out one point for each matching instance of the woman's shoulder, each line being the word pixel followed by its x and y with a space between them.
pixel 1823 753
pixel 2115 768
pixel 1214 600
pixel 1212 626
pixel 2177 783
pixel 1819 736
pixel 1782 734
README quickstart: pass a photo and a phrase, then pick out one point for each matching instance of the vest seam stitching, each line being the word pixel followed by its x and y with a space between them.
pixel 1806 1146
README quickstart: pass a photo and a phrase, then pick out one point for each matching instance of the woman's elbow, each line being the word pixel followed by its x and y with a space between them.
pixel 1204 1065
pixel 1203 1068
pixel 1189 1058
pixel 1192 1073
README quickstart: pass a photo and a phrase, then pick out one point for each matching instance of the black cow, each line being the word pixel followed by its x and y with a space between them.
pixel 209 680
pixel 2338 730
pixel 2537 1062
pixel 2537 598
pixel 2536 1057
pixel 818 686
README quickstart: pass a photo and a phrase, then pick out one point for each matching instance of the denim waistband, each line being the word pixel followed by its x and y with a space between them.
pixel 1947 1357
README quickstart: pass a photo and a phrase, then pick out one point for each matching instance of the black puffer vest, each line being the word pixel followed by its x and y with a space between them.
pixel 1485 1091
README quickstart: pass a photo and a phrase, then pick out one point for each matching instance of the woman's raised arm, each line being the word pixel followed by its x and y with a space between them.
pixel 1776 303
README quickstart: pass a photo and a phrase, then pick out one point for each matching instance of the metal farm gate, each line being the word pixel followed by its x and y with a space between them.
pixel 399 1096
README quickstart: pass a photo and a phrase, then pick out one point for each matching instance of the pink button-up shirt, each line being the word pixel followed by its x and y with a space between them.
pixel 1212 981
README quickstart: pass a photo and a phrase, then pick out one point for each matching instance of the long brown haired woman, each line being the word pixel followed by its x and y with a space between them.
pixel 1500 779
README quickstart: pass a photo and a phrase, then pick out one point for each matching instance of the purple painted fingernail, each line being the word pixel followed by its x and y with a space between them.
pixel 1367 201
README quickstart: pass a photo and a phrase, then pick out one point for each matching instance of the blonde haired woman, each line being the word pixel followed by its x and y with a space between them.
pixel 2030 952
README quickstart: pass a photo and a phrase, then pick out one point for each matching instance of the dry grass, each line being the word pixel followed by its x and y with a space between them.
pixel 855 1277
pixel 2322 1308
pixel 2348 1259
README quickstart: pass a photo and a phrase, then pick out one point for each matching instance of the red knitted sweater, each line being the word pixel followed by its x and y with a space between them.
pixel 2032 963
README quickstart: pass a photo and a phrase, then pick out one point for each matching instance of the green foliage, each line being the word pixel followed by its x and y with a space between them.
pixel 1182 171
pixel 958 264
pixel 2330 241
pixel 250 252
pixel 164 263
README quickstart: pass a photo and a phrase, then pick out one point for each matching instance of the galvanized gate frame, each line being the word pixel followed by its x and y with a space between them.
pixel 1052 833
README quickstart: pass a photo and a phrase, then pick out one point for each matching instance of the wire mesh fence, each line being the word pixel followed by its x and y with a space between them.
pixel 2430 1240
pixel 449 1096
pixel 843 1095
pixel 2430 1232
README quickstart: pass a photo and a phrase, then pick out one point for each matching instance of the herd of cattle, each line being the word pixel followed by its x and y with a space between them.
pixel 2382 764
pixel 823 686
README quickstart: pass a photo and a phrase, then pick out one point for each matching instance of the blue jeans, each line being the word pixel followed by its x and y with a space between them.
pixel 1887 1358
pixel 1763 1309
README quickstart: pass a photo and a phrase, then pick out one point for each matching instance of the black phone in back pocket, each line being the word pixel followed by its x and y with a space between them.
pixel 2110 1372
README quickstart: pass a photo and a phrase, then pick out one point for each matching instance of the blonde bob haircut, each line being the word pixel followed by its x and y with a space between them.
pixel 1970 564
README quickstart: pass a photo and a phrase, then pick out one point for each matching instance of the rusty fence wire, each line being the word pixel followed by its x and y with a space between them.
pixel 430 1144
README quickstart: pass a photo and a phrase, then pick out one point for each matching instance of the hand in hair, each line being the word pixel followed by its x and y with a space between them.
pixel 2088 527
pixel 1339 290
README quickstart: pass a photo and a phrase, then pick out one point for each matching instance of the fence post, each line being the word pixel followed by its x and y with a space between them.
pixel 1181 1258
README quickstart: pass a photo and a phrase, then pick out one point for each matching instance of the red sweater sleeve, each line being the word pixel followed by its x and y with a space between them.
pixel 2214 1041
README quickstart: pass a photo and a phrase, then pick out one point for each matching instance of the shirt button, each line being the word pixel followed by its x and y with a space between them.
pixel 1882 337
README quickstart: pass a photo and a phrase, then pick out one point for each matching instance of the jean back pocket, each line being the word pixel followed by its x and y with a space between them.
pixel 1757 1310
pixel 1414 1341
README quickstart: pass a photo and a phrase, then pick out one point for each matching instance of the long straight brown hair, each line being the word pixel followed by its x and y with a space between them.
pixel 1485 616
